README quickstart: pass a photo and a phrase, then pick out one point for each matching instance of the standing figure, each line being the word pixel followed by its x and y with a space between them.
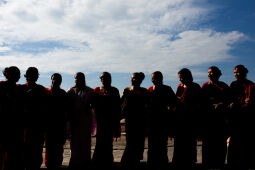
pixel 55 125
pixel 188 109
pixel 135 102
pixel 106 104
pixel 241 152
pixel 11 121
pixel 217 97
pixel 80 97
pixel 36 107
pixel 162 103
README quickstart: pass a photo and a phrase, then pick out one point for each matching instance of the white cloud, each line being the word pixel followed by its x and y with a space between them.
pixel 113 35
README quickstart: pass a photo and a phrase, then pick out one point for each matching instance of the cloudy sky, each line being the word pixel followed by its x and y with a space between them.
pixel 125 36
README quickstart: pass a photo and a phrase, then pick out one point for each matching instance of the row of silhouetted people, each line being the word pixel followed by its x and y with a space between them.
pixel 31 115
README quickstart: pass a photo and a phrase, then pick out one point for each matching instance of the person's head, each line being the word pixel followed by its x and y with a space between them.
pixel 56 80
pixel 32 74
pixel 157 78
pixel 240 72
pixel 137 78
pixel 12 74
pixel 214 73
pixel 106 79
pixel 79 79
pixel 185 76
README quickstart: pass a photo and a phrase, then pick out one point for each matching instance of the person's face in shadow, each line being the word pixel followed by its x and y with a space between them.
pixel 79 80
pixel 31 77
pixel 156 80
pixel 105 80
pixel 135 80
pixel 212 75
pixel 14 77
pixel 239 75
pixel 56 81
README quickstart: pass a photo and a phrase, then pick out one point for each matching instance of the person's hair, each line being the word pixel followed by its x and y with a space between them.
pixel 56 75
pixel 216 70
pixel 107 74
pixel 242 69
pixel 32 70
pixel 140 75
pixel 80 74
pixel 186 73
pixel 12 70
pixel 158 74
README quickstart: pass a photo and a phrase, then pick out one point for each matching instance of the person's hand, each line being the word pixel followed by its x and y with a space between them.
pixel 116 139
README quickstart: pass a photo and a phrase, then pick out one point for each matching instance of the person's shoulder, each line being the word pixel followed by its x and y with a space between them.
pixel 127 89
pixel 114 89
pixel 89 89
pixel 249 82
pixel 180 85
pixel 167 87
pixel 2 83
pixel 223 84
pixel 62 91
pixel 144 89
pixel 151 89
pixel 97 90
pixel 41 87
pixel 196 85
pixel 205 85
pixel 233 83
pixel 71 90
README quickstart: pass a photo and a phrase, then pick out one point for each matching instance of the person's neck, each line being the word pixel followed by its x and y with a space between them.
pixel 55 87
pixel 31 84
pixel 11 83
pixel 135 87
pixel 214 81
pixel 106 87
pixel 241 80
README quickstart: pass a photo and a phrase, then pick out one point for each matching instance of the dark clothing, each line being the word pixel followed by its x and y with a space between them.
pixel 106 104
pixel 11 126
pixel 55 127
pixel 215 121
pixel 36 107
pixel 160 117
pixel 80 124
pixel 241 147
pixel 187 124
pixel 135 103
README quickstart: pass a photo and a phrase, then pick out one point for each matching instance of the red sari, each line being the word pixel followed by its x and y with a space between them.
pixel 135 104
pixel 11 126
pixel 160 124
pixel 186 124
pixel 215 124
pixel 106 104
pixel 55 127
pixel 241 147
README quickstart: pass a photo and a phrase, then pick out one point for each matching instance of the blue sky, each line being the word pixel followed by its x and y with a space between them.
pixel 123 37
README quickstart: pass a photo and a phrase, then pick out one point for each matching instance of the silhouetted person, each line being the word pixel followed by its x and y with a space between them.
pixel 217 97
pixel 55 125
pixel 135 102
pixel 36 108
pixel 162 103
pixel 80 97
pixel 11 121
pixel 107 110
pixel 241 146
pixel 186 124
